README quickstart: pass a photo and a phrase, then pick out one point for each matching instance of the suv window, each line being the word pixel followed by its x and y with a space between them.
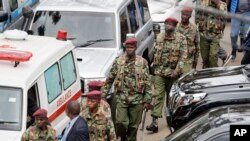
pixel 144 10
pixel 124 26
pixel 53 82
pixel 68 70
pixel 133 17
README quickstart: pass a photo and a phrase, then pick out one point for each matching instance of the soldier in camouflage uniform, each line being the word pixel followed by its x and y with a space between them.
pixel 190 31
pixel 96 85
pixel 130 76
pixel 41 131
pixel 101 127
pixel 170 53
pixel 211 29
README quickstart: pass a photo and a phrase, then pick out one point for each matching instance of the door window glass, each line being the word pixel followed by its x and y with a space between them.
pixel 53 82
pixel 68 70
pixel 13 4
pixel 124 26
pixel 144 10
pixel 133 17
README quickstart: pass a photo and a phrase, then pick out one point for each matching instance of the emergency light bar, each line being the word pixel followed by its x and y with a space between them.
pixel 15 55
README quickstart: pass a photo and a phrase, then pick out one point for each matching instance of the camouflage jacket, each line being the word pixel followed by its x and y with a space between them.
pixel 210 25
pixel 193 41
pixel 170 54
pixel 132 86
pixel 33 133
pixel 100 124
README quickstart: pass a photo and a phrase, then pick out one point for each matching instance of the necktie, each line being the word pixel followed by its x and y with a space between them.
pixel 233 6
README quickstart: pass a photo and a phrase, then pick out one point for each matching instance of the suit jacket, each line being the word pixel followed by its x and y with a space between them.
pixel 79 131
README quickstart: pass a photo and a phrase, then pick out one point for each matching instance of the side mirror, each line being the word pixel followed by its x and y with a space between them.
pixel 28 15
pixel 3 16
pixel 27 12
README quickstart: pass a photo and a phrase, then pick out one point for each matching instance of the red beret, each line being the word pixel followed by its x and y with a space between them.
pixel 95 84
pixel 94 94
pixel 131 41
pixel 172 20
pixel 187 10
pixel 40 113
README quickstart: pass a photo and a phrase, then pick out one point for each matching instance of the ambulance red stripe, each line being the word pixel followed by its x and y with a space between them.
pixel 62 108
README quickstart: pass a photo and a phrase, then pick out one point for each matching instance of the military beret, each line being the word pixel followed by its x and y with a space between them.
pixel 94 94
pixel 171 20
pixel 95 84
pixel 187 10
pixel 40 113
pixel 130 41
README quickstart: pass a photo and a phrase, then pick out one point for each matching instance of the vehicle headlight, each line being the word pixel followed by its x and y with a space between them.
pixel 84 83
pixel 187 99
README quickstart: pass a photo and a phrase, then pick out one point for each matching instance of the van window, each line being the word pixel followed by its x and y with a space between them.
pixel 13 4
pixel 124 26
pixel 133 17
pixel 53 82
pixel 144 10
pixel 68 70
pixel 10 108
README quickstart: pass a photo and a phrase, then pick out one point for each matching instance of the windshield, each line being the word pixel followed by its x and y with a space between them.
pixel 10 108
pixel 81 27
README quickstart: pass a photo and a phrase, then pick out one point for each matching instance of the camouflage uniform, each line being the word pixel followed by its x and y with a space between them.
pixel 193 43
pixel 103 104
pixel 132 88
pixel 211 29
pixel 34 133
pixel 169 56
pixel 101 127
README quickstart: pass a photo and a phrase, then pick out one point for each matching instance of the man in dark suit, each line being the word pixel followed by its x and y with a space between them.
pixel 77 129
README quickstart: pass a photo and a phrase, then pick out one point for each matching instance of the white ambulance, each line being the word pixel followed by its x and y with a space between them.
pixel 98 29
pixel 35 72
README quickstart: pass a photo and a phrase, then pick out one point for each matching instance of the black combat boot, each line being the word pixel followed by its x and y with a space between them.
pixel 233 54
pixel 241 42
pixel 153 126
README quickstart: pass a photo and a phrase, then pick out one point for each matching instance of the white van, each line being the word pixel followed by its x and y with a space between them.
pixel 98 29
pixel 13 10
pixel 35 72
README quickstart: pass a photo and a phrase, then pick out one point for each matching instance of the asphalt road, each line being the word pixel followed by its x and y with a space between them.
pixel 225 43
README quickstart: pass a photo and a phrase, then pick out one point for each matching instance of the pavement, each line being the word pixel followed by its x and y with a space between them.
pixel 225 43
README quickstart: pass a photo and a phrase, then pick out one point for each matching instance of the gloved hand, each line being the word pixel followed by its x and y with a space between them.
pixel 146 106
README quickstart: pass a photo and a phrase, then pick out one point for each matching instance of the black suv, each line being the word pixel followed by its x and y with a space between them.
pixel 199 91
pixel 214 125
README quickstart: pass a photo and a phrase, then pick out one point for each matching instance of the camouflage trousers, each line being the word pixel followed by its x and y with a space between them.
pixel 128 119
pixel 209 52
pixel 162 87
